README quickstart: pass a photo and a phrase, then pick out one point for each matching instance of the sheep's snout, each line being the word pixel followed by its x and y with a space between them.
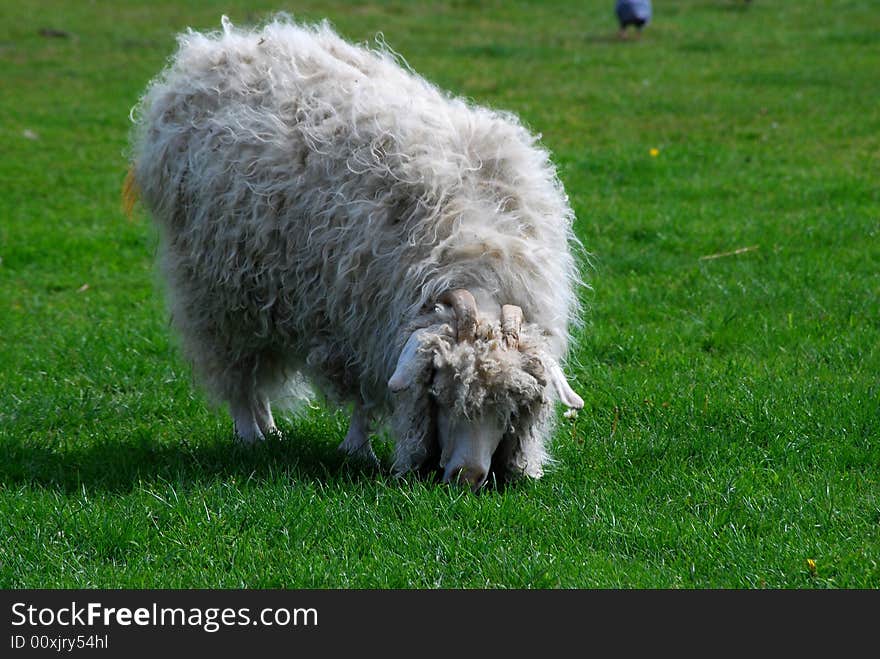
pixel 473 477
pixel 467 446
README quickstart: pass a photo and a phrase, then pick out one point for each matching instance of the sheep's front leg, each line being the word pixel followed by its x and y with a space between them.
pixel 357 441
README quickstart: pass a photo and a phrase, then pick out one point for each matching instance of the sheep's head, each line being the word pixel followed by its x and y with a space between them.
pixel 472 389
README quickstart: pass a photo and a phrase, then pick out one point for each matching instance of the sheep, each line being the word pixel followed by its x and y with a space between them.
pixel 330 221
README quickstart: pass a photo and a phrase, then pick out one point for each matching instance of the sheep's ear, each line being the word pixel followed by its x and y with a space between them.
pixel 566 394
pixel 407 364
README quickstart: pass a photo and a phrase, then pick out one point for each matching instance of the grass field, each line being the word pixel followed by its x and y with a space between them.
pixel 731 435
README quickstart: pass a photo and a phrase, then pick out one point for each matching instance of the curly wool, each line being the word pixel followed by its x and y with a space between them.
pixel 314 195
pixel 468 378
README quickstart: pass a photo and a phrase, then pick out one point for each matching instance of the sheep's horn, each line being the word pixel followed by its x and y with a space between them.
pixel 511 322
pixel 465 308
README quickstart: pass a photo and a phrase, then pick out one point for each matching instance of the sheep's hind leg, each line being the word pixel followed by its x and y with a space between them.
pixel 247 430
pixel 263 415
pixel 357 440
pixel 253 420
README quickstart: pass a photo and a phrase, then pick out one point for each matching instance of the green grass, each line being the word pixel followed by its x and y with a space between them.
pixel 732 420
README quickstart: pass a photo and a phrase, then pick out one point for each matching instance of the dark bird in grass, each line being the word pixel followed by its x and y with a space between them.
pixel 636 13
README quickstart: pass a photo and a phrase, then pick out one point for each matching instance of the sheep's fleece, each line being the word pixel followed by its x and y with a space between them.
pixel 315 198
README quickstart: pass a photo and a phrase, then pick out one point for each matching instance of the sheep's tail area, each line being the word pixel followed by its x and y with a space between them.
pixel 293 393
pixel 130 193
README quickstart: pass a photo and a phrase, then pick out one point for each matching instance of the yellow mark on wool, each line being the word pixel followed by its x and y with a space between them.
pixel 130 193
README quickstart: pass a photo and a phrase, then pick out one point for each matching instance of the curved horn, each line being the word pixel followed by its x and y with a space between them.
pixel 465 308
pixel 511 322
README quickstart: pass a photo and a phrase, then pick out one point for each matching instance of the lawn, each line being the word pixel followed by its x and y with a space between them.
pixel 724 171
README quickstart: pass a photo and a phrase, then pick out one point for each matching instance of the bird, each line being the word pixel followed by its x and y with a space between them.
pixel 632 12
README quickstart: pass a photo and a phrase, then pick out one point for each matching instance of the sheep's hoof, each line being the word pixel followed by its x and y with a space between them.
pixel 357 443
pixel 251 440
pixel 363 454
pixel 248 434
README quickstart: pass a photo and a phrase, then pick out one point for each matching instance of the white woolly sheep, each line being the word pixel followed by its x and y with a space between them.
pixel 329 218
